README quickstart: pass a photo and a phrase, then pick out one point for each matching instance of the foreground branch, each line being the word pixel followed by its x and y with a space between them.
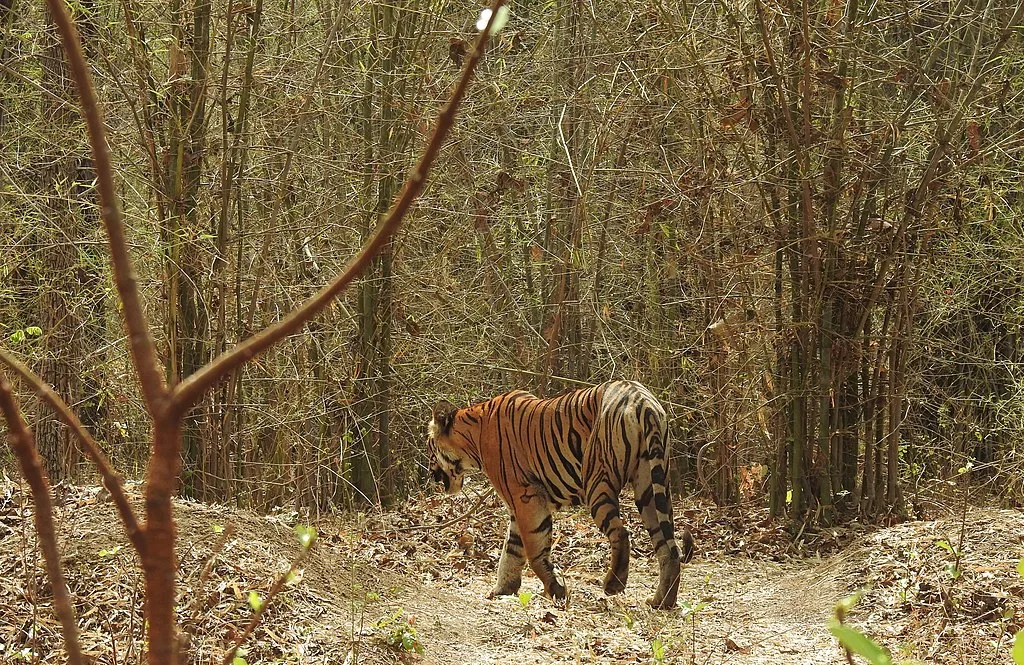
pixel 111 479
pixel 154 390
pixel 188 392
pixel 24 448
pixel 168 407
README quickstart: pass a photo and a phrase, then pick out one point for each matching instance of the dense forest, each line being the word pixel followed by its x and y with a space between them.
pixel 797 223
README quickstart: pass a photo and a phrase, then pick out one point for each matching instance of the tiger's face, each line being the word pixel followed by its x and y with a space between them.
pixel 446 461
pixel 445 466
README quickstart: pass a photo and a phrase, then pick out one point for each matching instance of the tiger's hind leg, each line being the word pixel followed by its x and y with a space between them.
pixel 510 567
pixel 603 501
pixel 654 504
pixel 534 520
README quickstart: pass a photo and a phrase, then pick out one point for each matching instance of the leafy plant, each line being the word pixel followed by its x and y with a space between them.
pixel 953 567
pixel 853 640
pixel 658 649
pixel 398 632
pixel 524 598
pixel 688 609
pixel 20 335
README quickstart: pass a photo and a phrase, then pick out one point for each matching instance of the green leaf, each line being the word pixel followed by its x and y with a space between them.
pixel 1018 648
pixel 1020 567
pixel 687 608
pixel 255 602
pixel 944 545
pixel 848 603
pixel 218 528
pixel 17 337
pixel 34 331
pixel 860 644
pixel 306 534
pixel 524 597
pixel 238 660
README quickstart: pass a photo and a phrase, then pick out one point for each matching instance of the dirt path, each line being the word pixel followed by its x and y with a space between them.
pixel 733 609
pixel 755 612
pixel 744 600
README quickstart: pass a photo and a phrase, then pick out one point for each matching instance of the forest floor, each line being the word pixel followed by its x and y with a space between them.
pixel 417 577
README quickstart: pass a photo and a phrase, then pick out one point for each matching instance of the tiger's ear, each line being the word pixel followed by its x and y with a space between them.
pixel 444 416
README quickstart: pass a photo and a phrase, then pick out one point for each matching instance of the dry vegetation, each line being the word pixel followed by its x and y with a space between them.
pixel 752 596
pixel 798 223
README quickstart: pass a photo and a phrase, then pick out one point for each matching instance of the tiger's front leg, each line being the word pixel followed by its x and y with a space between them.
pixel 534 519
pixel 510 567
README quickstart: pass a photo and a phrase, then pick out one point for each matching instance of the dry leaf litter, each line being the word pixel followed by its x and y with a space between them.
pixel 410 585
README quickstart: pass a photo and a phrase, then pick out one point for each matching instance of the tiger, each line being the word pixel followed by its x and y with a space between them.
pixel 541 455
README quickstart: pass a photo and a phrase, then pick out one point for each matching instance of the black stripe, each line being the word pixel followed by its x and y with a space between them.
pixel 661 502
pixel 645 498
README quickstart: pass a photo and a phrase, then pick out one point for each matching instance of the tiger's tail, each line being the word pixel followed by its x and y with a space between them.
pixel 654 503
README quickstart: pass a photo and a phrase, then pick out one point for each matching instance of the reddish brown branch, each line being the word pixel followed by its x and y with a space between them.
pixel 159 563
pixel 167 408
pixel 191 389
pixel 24 448
pixel 111 479
pixel 140 339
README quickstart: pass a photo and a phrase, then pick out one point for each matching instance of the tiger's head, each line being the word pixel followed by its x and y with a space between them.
pixel 449 461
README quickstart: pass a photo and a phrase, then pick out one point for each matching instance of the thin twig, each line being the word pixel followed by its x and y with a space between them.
pixel 24 448
pixel 111 479
pixel 197 591
pixel 191 389
pixel 274 590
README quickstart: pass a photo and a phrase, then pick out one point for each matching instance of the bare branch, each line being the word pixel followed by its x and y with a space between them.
pixel 154 390
pixel 24 448
pixel 111 479
pixel 191 389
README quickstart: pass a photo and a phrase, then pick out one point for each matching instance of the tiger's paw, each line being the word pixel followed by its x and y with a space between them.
pixel 506 590
pixel 613 585
pixel 661 603
pixel 556 591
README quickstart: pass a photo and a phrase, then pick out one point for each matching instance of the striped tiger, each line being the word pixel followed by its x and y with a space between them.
pixel 543 454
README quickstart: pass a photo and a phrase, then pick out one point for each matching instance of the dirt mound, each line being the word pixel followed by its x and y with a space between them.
pixel 316 619
pixel 941 591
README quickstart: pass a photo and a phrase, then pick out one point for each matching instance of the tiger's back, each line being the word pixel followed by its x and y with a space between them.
pixel 540 443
